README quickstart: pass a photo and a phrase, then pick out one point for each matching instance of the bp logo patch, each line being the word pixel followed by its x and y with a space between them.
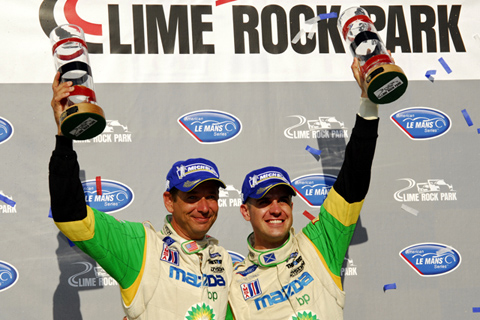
pixel 210 126
pixel 200 312
pixel 305 315
pixel 422 123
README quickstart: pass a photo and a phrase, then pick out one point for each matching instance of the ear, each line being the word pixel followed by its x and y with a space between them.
pixel 168 201
pixel 245 212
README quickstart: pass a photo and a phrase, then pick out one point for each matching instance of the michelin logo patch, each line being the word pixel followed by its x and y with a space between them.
pixel 6 130
pixel 314 188
pixel 115 196
pixel 210 126
pixel 422 123
pixel 431 259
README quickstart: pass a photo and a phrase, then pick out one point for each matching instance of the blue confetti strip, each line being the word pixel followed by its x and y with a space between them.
pixel 478 131
pixel 50 213
pixel 11 203
pixel 389 286
pixel 467 117
pixel 330 15
pixel 313 150
pixel 430 73
pixel 71 243
pixel 476 309
pixel 445 65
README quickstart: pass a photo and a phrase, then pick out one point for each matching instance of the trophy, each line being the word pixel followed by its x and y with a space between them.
pixel 83 118
pixel 385 82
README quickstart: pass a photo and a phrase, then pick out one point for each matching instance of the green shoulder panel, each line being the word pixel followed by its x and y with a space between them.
pixel 117 246
pixel 331 238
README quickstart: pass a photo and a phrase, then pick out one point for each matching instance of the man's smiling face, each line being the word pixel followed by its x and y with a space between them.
pixel 270 216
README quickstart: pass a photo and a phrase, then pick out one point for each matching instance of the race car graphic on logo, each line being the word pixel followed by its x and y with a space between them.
pixel 313 189
pixel 432 190
pixel 8 276
pixel 114 132
pixel 86 278
pixel 200 312
pixel 422 123
pixel 229 197
pixel 211 126
pixel 431 259
pixel 114 196
pixel 6 130
pixel 323 127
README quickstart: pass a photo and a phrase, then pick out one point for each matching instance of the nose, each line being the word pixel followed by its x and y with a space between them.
pixel 202 205
pixel 275 207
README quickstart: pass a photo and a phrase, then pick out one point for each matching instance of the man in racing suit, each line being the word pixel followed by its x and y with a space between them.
pixel 177 273
pixel 288 276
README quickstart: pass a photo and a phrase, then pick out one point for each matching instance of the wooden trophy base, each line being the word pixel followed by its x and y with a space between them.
pixel 386 83
pixel 82 121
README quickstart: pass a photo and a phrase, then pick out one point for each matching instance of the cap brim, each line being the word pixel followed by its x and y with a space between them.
pixel 220 182
pixel 294 193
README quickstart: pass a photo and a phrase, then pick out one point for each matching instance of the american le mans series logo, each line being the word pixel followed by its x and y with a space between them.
pixel 6 130
pixel 114 132
pixel 422 123
pixel 432 190
pixel 431 259
pixel 211 126
pixel 114 197
pixel 313 189
pixel 8 276
pixel 323 127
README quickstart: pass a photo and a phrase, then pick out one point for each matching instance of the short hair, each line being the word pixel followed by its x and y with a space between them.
pixel 174 193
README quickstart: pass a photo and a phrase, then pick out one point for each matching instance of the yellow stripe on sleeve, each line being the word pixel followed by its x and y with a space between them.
pixel 80 230
pixel 346 213
pixel 336 279
pixel 129 293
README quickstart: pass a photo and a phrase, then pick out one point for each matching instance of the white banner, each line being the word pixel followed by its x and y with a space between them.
pixel 235 41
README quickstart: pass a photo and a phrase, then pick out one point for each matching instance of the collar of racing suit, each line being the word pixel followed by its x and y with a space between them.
pixel 188 246
pixel 272 257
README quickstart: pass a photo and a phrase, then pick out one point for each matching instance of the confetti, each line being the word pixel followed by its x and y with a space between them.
pixel 467 117
pixel 389 286
pixel 445 65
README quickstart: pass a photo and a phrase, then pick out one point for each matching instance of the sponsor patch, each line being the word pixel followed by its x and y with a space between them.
pixel 247 271
pixel 170 255
pixel 422 123
pixel 431 259
pixel 251 289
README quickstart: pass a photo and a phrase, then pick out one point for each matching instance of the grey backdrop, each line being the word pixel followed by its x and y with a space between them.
pixel 45 261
